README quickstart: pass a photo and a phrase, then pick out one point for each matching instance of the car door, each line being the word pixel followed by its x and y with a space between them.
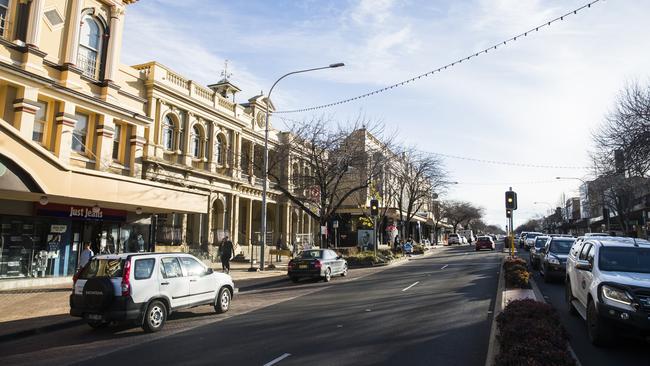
pixel 336 263
pixel 202 286
pixel 173 284
pixel 581 287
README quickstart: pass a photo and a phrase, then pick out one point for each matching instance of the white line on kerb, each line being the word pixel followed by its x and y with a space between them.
pixel 445 266
pixel 273 362
pixel 411 286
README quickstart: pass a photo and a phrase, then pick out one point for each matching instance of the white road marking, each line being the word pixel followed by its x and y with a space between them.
pixel 273 362
pixel 411 286
pixel 445 266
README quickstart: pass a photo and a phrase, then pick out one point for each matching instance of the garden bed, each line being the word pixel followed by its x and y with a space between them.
pixel 368 258
pixel 516 273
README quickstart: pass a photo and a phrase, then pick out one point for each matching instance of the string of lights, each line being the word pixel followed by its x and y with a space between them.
pixel 532 182
pixel 510 163
pixel 445 67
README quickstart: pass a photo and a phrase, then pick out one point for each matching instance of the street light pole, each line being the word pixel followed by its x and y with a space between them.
pixel 266 152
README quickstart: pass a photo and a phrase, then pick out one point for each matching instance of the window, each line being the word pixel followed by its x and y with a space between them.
pixel 79 132
pixel 590 255
pixel 4 10
pixel 40 120
pixel 585 250
pixel 192 267
pixel 116 142
pixel 171 268
pixel 144 268
pixel 102 268
pixel 218 149
pixel 168 133
pixel 195 142
pixel 90 45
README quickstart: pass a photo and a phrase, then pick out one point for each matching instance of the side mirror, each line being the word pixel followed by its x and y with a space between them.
pixel 339 257
pixel 583 265
pixel 209 271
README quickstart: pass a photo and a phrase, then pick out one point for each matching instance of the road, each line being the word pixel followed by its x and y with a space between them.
pixel 435 309
pixel 627 351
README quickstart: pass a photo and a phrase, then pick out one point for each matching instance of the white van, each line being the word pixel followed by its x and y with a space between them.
pixel 146 288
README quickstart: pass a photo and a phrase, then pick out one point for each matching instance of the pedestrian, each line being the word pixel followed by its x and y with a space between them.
pixel 396 244
pixel 227 252
pixel 278 247
pixel 86 255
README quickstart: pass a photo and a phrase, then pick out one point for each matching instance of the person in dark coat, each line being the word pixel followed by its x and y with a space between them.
pixel 227 252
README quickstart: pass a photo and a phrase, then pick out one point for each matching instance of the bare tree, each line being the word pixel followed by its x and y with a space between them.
pixel 329 164
pixel 530 225
pixel 459 212
pixel 417 176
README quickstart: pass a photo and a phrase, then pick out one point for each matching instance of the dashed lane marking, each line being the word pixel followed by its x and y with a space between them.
pixel 445 266
pixel 276 360
pixel 415 283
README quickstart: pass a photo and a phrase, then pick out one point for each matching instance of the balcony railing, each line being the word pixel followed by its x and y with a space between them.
pixel 87 64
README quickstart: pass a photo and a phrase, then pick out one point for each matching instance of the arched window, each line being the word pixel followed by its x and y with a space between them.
pixel 219 149
pixel 168 133
pixel 90 46
pixel 195 142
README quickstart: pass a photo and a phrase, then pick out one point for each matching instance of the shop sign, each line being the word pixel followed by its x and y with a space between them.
pixel 79 212
pixel 58 229
pixel 86 213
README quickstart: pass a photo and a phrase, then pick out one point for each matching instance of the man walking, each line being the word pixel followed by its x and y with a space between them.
pixel 227 252
pixel 85 256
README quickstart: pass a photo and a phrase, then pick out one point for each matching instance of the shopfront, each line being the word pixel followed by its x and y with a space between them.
pixel 48 242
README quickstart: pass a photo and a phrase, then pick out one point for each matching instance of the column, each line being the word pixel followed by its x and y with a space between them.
pixel 25 109
pixel 276 225
pixel 209 227
pixel 234 221
pixel 74 25
pixel 105 133
pixel 65 121
pixel 186 156
pixel 212 165
pixel 34 24
pixel 286 223
pixel 184 229
pixel 251 163
pixel 249 221
pixel 137 142
pixel 114 41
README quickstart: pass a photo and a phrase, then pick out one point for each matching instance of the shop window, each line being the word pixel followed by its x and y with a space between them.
pixel 4 12
pixel 40 122
pixel 168 133
pixel 117 137
pixel 195 142
pixel 80 132
pixel 90 46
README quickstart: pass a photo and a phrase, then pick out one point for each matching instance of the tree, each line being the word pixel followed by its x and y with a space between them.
pixel 416 176
pixel 459 212
pixel 329 163
pixel 530 225
pixel 494 229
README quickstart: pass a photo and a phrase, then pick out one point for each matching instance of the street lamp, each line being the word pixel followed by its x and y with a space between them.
pixel 266 152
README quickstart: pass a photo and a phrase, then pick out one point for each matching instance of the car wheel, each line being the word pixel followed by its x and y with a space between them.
pixel 97 324
pixel 294 279
pixel 223 301
pixel 599 333
pixel 328 275
pixel 345 271
pixel 569 298
pixel 154 318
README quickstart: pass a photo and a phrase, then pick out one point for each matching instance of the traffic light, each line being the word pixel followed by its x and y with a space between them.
pixel 508 213
pixel 374 208
pixel 511 200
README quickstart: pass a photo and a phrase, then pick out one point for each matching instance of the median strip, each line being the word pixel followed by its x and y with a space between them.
pixel 411 286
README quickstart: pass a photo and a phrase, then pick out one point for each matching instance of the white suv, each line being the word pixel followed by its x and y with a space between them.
pixel 608 284
pixel 146 288
pixel 453 239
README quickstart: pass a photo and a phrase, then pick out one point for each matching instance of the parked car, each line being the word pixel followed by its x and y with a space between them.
pixel 536 252
pixel 554 256
pixel 317 263
pixel 608 284
pixel 454 239
pixel 529 239
pixel 484 242
pixel 146 288
pixel 522 238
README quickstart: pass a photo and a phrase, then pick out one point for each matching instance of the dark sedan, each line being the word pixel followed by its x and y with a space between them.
pixel 317 263
pixel 553 263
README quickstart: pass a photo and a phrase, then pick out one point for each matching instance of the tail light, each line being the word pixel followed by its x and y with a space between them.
pixel 126 284
pixel 317 264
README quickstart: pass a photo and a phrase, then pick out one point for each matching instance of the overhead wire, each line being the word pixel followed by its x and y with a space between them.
pixel 449 65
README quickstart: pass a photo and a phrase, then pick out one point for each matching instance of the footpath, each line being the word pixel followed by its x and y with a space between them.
pixel 34 310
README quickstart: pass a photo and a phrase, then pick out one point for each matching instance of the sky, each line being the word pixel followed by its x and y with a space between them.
pixel 535 101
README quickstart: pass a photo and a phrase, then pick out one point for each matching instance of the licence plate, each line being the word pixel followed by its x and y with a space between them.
pixel 94 316
pixel 302 266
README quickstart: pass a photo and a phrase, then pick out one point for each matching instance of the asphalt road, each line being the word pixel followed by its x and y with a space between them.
pixel 626 351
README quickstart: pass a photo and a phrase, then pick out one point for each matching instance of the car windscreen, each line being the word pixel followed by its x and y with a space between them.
pixel 560 246
pixel 621 259
pixel 102 268
pixel 483 238
pixel 308 254
pixel 540 242
pixel 532 235
pixel 453 235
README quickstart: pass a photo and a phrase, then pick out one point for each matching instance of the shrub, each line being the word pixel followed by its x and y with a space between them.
pixel 516 273
pixel 514 262
pixel 363 259
pixel 418 249
pixel 348 251
pixel 530 333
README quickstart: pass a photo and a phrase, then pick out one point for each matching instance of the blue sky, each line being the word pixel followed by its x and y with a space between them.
pixel 536 101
